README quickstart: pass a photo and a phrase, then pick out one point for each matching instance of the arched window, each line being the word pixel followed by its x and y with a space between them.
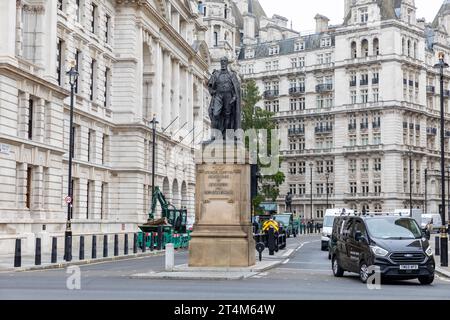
pixel 216 39
pixel 409 48
pixel 415 50
pixel 365 48
pixel 403 46
pixel 376 47
pixel 353 50
pixel 225 13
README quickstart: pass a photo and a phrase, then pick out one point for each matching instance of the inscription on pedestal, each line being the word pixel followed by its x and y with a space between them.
pixel 219 184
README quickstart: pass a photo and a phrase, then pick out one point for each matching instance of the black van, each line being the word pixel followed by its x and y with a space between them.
pixel 395 244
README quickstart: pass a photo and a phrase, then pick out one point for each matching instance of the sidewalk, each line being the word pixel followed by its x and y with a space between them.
pixel 442 271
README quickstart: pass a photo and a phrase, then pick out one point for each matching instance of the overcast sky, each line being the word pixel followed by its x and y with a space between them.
pixel 302 12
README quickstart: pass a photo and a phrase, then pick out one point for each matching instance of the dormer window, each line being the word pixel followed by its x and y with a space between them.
pixel 364 15
pixel 325 42
pixel 249 54
pixel 299 46
pixel 274 50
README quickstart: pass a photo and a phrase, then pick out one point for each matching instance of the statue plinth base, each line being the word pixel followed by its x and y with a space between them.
pixel 222 235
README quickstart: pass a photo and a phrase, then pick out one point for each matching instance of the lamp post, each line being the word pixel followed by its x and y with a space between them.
pixel 327 176
pixel 410 181
pixel 73 76
pixel 444 242
pixel 426 190
pixel 311 186
pixel 153 122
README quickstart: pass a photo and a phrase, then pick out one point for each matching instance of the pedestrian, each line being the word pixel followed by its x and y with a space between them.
pixel 429 228
pixel 312 226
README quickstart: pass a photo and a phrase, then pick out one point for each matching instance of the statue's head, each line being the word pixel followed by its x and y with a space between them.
pixel 224 63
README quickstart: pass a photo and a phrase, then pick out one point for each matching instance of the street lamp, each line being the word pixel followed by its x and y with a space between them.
pixel 153 122
pixel 327 176
pixel 73 76
pixel 444 243
pixel 311 185
pixel 426 190
pixel 410 180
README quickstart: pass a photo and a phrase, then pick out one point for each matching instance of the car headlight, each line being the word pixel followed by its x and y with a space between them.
pixel 429 251
pixel 379 251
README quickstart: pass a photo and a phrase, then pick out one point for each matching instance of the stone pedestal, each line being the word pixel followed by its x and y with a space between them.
pixel 222 234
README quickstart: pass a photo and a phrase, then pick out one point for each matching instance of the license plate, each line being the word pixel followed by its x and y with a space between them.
pixel 409 267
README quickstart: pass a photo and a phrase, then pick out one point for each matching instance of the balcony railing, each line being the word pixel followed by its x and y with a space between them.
pixel 352 126
pixel 411 83
pixel 296 131
pixel 324 87
pixel 376 125
pixel 353 83
pixel 297 90
pixel 364 82
pixel 430 89
pixel 364 126
pixel 431 131
pixel 375 80
pixel 271 94
pixel 326 129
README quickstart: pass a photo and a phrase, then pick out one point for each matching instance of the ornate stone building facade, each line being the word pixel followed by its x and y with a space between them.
pixel 351 100
pixel 136 59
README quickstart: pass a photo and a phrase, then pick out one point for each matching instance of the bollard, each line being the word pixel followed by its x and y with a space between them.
pixel 18 254
pixel 116 245
pixel 437 251
pixel 37 254
pixel 444 248
pixel 260 248
pixel 160 238
pixel 125 244
pixel 152 241
pixel 68 248
pixel 134 243
pixel 170 257
pixel 105 246
pixel 144 239
pixel 271 241
pixel 54 250
pixel 94 247
pixel 81 256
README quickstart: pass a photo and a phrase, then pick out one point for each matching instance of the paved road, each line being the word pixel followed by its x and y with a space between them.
pixel 307 275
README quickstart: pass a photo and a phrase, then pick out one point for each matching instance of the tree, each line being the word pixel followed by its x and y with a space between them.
pixel 254 117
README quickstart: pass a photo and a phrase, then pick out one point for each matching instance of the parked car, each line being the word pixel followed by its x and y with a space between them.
pixel 394 243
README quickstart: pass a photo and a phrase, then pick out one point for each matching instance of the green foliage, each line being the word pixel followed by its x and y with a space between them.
pixel 254 117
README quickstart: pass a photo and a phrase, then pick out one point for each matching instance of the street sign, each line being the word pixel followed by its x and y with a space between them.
pixel 68 200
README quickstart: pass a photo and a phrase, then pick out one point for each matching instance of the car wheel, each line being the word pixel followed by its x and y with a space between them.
pixel 426 280
pixel 364 272
pixel 337 270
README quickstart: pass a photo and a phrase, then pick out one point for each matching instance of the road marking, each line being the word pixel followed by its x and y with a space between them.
pixel 285 261
pixel 442 279
pixel 308 270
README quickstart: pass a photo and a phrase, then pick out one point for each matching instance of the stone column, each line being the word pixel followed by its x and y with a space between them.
pixel 39 120
pixel 23 115
pixel 176 112
pixel 8 31
pixel 157 86
pixel 49 42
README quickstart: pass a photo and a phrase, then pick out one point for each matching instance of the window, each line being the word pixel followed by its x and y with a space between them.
pixel 301 103
pixel 30 118
pixel 353 189
pixel 92 80
pixel 93 18
pixel 59 60
pixel 353 98
pixel 365 188
pixel 352 165
pixel 376 138
pixel 274 50
pixel 293 168
pixel 377 187
pixel 330 166
pixel 376 95
pixel 294 62
pixel 364 139
pixel 364 96
pixel 88 196
pixel 325 42
pixel 91 144
pixel 319 188
pixel 302 189
pixel 299 46
pixel 107 26
pixel 302 167
pixel 293 188
pixel 301 62
pixel 60 4
pixel 365 165
pixel 364 15
pixel 319 166
pixel 105 145
pixel 77 64
pixel 29 187
pixel 249 53
pixel 78 9
pixel 103 200
pixel 320 59
pixel 216 38
pixel 106 92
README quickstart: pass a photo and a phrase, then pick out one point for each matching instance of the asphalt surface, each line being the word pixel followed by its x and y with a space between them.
pixel 306 275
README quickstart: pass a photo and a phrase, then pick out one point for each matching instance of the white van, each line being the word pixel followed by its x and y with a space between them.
pixel 437 220
pixel 328 220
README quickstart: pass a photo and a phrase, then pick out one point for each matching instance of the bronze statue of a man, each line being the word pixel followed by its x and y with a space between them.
pixel 225 107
